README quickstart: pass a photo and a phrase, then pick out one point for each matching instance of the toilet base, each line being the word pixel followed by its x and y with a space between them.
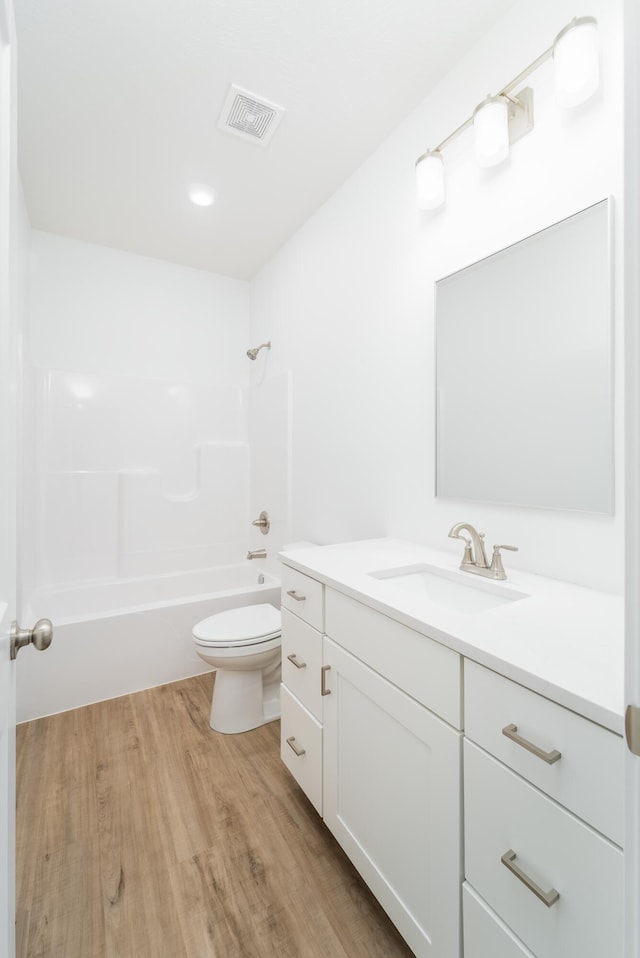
pixel 242 701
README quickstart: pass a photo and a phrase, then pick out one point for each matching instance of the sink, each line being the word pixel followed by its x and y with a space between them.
pixel 470 595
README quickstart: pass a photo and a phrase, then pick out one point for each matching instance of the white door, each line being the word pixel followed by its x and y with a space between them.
pixel 8 464
pixel 632 455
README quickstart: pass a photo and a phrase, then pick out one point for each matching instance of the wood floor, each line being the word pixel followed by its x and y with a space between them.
pixel 143 834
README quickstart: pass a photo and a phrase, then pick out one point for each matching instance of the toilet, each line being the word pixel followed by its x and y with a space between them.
pixel 244 646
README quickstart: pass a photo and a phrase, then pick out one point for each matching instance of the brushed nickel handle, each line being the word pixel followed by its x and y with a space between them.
pixel 549 898
pixel 323 680
pixel 262 522
pixel 549 757
pixel 294 595
pixel 299 665
pixel 291 744
pixel 40 635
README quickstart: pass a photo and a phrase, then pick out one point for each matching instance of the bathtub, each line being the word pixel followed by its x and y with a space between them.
pixel 116 637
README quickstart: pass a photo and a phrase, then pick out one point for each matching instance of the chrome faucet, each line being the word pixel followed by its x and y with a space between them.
pixel 257 554
pixel 475 558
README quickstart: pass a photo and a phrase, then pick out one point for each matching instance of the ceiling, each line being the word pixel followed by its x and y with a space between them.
pixel 119 102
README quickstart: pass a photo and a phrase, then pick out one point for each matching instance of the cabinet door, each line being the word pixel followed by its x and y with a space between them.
pixel 391 797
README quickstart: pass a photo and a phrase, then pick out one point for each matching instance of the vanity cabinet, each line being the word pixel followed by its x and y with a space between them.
pixel 381 725
pixel 542 827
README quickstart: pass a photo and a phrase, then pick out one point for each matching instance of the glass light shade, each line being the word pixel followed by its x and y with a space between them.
pixel 576 62
pixel 430 180
pixel 491 131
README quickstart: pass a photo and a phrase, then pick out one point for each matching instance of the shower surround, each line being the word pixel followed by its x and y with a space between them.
pixel 150 443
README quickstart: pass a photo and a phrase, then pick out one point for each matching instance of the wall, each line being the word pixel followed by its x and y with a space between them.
pixel 349 304
pixel 137 432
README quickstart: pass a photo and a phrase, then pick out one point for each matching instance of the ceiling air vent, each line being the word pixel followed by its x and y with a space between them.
pixel 246 115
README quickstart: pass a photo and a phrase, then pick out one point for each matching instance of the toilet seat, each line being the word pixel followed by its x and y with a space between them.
pixel 247 626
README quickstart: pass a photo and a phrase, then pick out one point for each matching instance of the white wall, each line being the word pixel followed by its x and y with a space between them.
pixel 348 303
pixel 137 390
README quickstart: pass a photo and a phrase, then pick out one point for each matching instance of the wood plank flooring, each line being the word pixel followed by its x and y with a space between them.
pixel 143 834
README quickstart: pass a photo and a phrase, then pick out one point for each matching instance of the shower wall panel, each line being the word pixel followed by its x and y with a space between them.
pixel 137 477
pixel 269 404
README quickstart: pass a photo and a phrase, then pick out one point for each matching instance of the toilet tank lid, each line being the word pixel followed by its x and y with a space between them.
pixel 246 622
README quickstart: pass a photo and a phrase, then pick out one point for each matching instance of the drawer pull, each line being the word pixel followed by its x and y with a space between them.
pixel 323 680
pixel 294 595
pixel 548 897
pixel 291 744
pixel 299 665
pixel 549 757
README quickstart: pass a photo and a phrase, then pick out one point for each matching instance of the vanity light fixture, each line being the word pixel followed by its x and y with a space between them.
pixel 503 119
pixel 430 180
pixel 576 62
pixel 491 131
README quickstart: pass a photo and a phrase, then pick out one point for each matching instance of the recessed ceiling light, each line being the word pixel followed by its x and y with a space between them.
pixel 201 194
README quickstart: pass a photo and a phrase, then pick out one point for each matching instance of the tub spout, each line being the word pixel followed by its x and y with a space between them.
pixel 257 554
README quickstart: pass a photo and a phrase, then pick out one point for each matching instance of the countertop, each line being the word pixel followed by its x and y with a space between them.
pixel 564 641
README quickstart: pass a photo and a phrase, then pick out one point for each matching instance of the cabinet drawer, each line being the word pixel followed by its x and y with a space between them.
pixel 302 661
pixel 426 670
pixel 555 850
pixel 304 596
pixel 300 729
pixel 485 935
pixel 587 778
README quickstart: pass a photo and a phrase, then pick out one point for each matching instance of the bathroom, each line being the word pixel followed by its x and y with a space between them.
pixel 138 393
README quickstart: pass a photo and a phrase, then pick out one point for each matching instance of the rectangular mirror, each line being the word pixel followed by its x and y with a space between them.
pixel 524 407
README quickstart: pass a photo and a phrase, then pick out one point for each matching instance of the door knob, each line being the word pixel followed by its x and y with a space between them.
pixel 40 636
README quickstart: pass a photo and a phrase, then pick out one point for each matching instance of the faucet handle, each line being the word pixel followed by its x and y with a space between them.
pixel 497 568
pixel 467 558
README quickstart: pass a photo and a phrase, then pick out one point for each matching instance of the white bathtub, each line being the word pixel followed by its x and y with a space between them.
pixel 112 638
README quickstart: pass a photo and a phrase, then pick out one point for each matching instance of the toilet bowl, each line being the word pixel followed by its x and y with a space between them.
pixel 244 646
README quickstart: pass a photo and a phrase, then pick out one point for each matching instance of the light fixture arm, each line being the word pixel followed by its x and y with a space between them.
pixel 527 71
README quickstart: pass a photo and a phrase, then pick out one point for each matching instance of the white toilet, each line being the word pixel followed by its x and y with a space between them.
pixel 244 646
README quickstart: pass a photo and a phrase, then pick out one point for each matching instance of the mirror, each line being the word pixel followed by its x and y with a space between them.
pixel 524 409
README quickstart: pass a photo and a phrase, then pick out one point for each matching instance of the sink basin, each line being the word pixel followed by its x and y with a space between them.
pixel 470 595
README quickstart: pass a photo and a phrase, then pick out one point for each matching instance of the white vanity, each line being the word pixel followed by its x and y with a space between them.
pixel 469 763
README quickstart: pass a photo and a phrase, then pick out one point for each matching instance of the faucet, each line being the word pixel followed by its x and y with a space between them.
pixel 257 554
pixel 475 558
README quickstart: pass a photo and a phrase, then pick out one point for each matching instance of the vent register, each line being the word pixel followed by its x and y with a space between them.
pixel 249 117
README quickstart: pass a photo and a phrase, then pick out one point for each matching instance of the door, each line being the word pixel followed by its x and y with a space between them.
pixel 391 797
pixel 8 447
pixel 632 459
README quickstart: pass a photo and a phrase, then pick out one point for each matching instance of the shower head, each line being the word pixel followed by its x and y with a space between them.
pixel 252 353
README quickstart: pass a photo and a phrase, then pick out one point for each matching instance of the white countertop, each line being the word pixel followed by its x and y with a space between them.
pixel 563 641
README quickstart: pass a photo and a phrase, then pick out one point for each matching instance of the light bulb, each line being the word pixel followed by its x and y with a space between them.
pixel 201 195
pixel 430 180
pixel 491 131
pixel 576 62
